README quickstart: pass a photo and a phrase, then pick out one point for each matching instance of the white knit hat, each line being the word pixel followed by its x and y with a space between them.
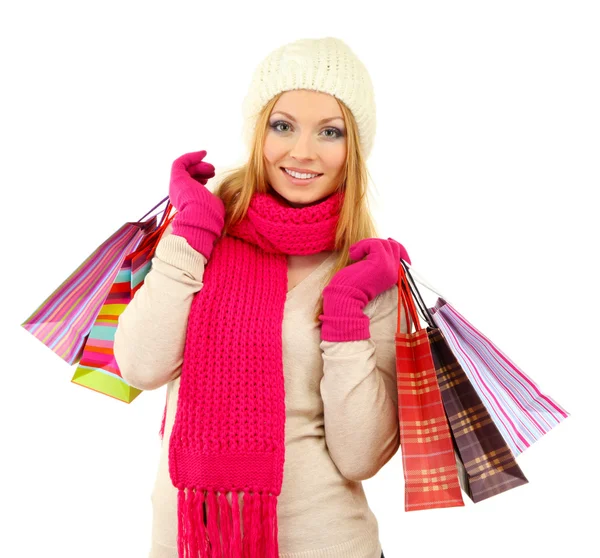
pixel 326 65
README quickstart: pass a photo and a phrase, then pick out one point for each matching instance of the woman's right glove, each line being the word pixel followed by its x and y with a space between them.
pixel 200 215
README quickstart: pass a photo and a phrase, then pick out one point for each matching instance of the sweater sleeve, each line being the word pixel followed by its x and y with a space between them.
pixel 359 393
pixel 150 335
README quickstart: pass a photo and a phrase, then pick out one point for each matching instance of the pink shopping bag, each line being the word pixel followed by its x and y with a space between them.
pixel 98 369
pixel 63 321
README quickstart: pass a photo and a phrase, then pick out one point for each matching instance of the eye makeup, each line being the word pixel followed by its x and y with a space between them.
pixel 275 125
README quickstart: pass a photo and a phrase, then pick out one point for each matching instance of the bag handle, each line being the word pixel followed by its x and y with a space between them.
pixel 166 218
pixel 420 279
pixel 405 297
pixel 165 210
pixel 162 228
pixel 155 236
pixel 417 297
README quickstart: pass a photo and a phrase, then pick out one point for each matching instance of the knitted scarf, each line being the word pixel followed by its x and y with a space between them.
pixel 228 433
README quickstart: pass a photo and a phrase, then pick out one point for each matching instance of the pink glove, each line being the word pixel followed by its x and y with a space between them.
pixel 200 216
pixel 354 286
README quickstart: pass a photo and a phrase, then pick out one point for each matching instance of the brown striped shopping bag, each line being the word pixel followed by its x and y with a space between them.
pixel 431 477
pixel 486 464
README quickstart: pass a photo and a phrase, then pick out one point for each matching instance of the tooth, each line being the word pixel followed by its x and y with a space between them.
pixel 301 175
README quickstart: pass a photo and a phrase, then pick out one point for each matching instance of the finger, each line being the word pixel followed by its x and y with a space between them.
pixel 179 168
pixel 202 169
pixel 399 250
pixel 188 159
pixel 364 247
pixel 201 178
pixel 393 249
pixel 357 250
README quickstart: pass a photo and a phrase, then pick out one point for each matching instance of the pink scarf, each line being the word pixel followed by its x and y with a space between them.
pixel 228 434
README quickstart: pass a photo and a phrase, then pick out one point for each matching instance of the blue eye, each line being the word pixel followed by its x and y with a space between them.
pixel 275 126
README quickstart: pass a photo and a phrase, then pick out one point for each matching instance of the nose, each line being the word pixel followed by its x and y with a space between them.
pixel 304 148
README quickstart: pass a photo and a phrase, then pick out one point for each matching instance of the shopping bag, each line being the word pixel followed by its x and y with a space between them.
pixel 519 408
pixel 486 465
pixel 63 321
pixel 429 464
pixel 98 368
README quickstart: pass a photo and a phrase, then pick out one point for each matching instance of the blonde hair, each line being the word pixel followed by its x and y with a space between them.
pixel 355 222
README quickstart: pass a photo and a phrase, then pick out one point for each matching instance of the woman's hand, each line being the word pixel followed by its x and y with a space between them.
pixel 200 214
pixel 353 287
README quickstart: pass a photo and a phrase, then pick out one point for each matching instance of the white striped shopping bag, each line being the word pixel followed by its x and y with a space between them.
pixel 522 413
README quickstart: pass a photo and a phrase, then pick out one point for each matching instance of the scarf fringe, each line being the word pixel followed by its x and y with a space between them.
pixel 221 536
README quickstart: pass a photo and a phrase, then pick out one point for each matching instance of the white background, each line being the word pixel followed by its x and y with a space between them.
pixel 486 167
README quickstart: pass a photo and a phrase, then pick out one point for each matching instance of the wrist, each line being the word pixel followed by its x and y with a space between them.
pixel 199 239
pixel 200 231
pixel 339 328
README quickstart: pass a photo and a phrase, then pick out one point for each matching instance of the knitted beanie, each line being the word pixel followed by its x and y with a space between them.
pixel 326 65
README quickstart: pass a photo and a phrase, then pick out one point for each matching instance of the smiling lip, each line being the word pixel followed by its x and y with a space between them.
pixel 299 181
pixel 305 171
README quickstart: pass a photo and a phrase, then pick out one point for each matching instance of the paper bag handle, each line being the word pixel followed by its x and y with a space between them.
pixel 409 303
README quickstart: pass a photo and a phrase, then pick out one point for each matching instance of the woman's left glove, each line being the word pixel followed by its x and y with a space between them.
pixel 354 286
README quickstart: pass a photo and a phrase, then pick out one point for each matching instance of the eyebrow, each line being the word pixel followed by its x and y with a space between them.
pixel 320 122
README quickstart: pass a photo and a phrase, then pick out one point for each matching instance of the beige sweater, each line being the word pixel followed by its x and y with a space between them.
pixel 341 405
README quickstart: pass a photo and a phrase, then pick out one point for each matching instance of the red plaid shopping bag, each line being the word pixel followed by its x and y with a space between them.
pixel 430 470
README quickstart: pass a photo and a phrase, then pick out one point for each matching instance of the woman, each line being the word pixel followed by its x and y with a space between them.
pixel 270 312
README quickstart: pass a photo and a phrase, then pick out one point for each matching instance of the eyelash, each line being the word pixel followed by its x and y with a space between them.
pixel 338 132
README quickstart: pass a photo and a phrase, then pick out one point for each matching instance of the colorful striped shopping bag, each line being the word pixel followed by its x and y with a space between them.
pixel 430 470
pixel 63 321
pixel 520 410
pixel 98 369
pixel 486 465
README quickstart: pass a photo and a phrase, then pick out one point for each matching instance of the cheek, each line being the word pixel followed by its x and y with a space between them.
pixel 272 149
pixel 336 158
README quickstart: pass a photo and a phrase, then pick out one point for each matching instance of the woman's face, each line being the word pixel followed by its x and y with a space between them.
pixel 311 136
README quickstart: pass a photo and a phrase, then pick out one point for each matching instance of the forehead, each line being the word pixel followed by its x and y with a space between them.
pixel 304 103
